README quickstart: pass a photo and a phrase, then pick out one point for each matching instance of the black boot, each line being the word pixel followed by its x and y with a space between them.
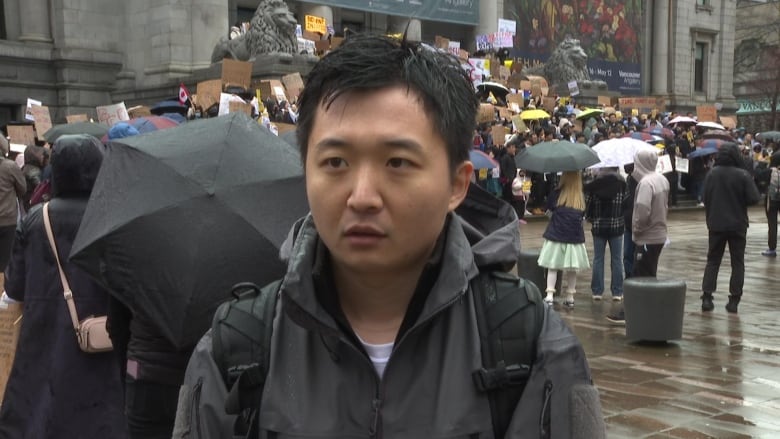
pixel 706 302
pixel 733 303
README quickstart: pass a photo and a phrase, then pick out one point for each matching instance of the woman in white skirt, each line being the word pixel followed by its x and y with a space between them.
pixel 564 239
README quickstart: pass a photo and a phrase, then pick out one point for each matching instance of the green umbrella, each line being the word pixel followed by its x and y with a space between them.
pixel 94 129
pixel 556 156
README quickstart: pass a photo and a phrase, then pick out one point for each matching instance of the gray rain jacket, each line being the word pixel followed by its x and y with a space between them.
pixel 322 384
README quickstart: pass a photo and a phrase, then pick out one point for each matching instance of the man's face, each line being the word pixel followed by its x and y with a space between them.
pixel 511 149
pixel 378 181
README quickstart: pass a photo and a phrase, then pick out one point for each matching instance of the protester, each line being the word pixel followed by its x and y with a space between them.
pixel 508 174
pixel 55 390
pixel 564 239
pixel 35 158
pixel 12 189
pixel 773 205
pixel 605 201
pixel 628 215
pixel 728 191
pixel 376 333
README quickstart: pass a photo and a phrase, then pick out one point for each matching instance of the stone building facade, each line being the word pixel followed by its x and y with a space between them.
pixel 76 54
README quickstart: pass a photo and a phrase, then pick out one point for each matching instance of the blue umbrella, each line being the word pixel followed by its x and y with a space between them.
pixel 480 160
pixel 701 152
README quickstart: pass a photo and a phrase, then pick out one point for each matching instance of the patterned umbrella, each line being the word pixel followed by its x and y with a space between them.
pixel 713 143
pixel 640 135
pixel 718 134
pixel 666 133
pixel 148 124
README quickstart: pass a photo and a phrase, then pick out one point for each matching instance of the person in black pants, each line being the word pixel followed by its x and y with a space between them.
pixel 772 205
pixel 728 191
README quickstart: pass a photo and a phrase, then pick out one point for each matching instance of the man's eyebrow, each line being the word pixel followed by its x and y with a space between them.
pixel 396 143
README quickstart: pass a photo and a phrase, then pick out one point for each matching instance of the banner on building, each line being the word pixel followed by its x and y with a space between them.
pixel 611 33
pixel 451 11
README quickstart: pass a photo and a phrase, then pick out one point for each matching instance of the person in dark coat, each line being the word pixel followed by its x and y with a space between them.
pixel 728 191
pixel 55 390
pixel 508 174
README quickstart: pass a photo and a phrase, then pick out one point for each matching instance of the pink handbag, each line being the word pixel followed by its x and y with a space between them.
pixel 91 332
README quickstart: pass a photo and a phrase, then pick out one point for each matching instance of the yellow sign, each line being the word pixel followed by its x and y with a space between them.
pixel 316 24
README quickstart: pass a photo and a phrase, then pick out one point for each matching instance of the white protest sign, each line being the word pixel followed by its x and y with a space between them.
pixel 682 165
pixel 111 114
pixel 574 90
pixel 454 48
pixel 505 25
pixel 664 164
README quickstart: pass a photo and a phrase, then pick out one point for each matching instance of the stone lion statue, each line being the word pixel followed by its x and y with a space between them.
pixel 272 29
pixel 568 62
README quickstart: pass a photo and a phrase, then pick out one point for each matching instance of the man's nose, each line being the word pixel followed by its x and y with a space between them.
pixel 366 190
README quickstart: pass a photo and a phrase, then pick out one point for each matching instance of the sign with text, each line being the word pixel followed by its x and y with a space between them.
pixel 644 104
pixel 316 24
pixel 454 48
pixel 706 113
pixel 73 118
pixel 236 73
pixel 664 164
pixel 21 134
pixel 574 89
pixel 505 25
pixel 111 114
pixel 294 85
pixel 450 11
pixel 486 113
pixel 42 120
pixel 484 43
pixel 31 103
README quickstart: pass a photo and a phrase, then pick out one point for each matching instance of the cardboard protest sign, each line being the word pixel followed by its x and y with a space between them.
pixel 505 113
pixel 111 114
pixel 10 325
pixel 536 87
pixel 284 127
pixel 31 103
pixel 321 47
pixel 519 124
pixel 605 101
pixel 515 98
pixel 503 73
pixel 236 73
pixel 42 120
pixel 243 107
pixel 706 113
pixel 499 134
pixel 312 36
pixel 729 122
pixel 336 42
pixel 316 24
pixel 548 103
pixel 643 103
pixel 486 113
pixel 208 93
pixel 73 118
pixel 21 134
pixel 495 67
pixel 293 83
pixel 664 164
pixel 272 88
pixel 463 55
pixel 143 111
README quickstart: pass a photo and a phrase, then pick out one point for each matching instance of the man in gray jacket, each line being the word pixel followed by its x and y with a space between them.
pixel 650 210
pixel 375 332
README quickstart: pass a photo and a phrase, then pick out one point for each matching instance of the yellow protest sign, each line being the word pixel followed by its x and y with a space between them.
pixel 316 24
pixel 483 173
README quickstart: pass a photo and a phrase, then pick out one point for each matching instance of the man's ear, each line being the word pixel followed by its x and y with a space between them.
pixel 461 179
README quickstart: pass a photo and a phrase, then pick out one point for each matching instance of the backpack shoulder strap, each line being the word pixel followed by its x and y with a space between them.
pixel 241 343
pixel 510 314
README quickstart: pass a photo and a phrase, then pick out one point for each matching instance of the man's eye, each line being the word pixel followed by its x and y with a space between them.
pixel 335 162
pixel 397 162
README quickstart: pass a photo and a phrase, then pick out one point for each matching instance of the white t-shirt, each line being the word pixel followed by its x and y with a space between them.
pixel 379 354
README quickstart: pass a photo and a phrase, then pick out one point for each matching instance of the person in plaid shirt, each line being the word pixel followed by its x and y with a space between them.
pixel 605 198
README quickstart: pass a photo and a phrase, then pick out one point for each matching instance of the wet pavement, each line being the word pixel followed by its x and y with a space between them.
pixel 722 380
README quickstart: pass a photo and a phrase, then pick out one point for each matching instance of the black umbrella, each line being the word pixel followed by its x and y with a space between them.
pixel 93 129
pixel 556 157
pixel 178 216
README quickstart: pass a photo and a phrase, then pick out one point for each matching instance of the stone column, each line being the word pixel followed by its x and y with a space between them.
pixel 34 21
pixel 210 22
pixel 488 17
pixel 399 25
pixel 660 47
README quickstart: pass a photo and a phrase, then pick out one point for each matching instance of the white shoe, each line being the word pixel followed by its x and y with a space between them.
pixel 549 298
pixel 700 205
pixel 597 297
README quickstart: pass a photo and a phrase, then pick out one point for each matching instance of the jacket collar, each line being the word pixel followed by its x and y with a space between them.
pixel 310 296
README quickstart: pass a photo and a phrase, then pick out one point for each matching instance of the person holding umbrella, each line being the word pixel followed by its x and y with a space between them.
pixel 564 239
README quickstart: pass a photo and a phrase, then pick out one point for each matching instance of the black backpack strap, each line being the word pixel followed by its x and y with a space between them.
pixel 510 315
pixel 241 344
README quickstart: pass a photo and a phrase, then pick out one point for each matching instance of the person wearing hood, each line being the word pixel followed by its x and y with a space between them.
pixel 55 390
pixel 728 191
pixel 649 215
pixel 772 205
pixel 605 201
pixel 376 331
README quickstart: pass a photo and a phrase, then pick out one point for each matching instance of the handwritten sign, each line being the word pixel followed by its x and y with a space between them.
pixel 706 113
pixel 664 164
pixel 316 24
pixel 235 107
pixel 73 118
pixel 31 103
pixel 42 120
pixel 293 83
pixel 21 134
pixel 454 48
pixel 10 325
pixel 208 93
pixel 236 73
pixel 643 103
pixel 111 114
pixel 486 113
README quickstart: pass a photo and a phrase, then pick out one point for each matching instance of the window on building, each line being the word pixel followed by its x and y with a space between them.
pixel 3 34
pixel 699 66
pixel 702 2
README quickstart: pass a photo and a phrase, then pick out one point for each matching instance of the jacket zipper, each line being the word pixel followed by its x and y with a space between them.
pixel 544 418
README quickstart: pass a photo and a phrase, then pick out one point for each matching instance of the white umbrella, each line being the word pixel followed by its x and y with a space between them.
pixel 713 125
pixel 682 119
pixel 619 151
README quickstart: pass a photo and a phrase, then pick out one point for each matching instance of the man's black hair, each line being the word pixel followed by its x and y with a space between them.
pixel 367 63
